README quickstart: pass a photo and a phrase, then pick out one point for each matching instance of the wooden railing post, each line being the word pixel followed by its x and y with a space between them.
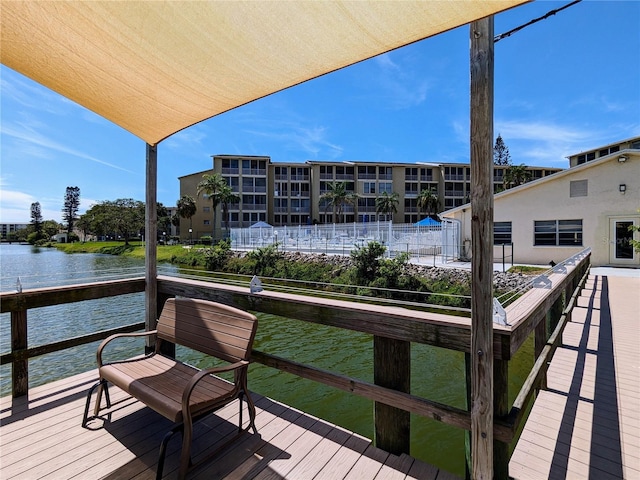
pixel 20 366
pixel 392 369
pixel 541 335
pixel 568 293
pixel 501 409
pixel 556 312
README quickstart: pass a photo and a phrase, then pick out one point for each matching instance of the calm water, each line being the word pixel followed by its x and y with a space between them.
pixel 437 374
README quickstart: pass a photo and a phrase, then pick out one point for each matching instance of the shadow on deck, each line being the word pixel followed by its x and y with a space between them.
pixel 42 438
pixel 587 423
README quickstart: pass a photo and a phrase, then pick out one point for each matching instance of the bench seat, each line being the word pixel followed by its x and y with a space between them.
pixel 158 382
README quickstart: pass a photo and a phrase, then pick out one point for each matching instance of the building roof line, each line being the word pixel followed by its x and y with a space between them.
pixel 555 176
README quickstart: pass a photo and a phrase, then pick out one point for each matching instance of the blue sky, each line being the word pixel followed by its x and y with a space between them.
pixel 563 85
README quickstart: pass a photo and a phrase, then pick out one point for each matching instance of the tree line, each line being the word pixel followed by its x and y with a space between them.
pixel 121 219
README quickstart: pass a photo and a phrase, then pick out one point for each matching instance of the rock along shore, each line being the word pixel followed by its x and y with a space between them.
pixel 503 281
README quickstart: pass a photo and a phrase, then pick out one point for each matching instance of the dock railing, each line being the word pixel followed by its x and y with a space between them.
pixel 543 310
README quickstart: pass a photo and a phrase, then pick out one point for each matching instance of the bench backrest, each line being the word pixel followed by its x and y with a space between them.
pixel 208 327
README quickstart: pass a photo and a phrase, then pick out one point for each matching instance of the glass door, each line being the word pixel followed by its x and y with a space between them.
pixel 621 249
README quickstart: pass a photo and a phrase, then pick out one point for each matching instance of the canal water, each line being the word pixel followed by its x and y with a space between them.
pixel 437 374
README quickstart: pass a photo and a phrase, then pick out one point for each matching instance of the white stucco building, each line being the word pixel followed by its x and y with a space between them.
pixel 592 204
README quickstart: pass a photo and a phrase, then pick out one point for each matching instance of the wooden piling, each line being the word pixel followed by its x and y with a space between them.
pixel 19 368
pixel 151 242
pixel 481 66
pixel 392 369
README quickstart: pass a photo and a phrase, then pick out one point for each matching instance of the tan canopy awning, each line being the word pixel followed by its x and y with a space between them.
pixel 155 68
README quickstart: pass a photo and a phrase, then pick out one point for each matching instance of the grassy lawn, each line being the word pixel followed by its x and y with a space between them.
pixel 134 249
pixel 526 270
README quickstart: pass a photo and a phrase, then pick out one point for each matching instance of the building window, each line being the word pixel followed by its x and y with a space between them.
pixel 206 222
pixel 501 233
pixel 578 188
pixel 206 209
pixel 369 187
pixel 563 233
pixel 385 187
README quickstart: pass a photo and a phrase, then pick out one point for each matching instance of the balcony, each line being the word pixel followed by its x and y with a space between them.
pixel 454 193
pixel 254 172
pixel 453 177
pixel 345 176
pixel 254 189
pixel 262 207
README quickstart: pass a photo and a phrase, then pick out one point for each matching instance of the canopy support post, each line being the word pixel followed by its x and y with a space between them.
pixel 481 64
pixel 151 234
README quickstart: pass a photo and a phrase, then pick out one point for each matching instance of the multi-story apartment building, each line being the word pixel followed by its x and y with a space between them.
pixel 8 228
pixel 291 193
pixel 590 155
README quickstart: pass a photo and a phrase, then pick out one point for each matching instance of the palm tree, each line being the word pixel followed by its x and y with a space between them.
pixel 186 206
pixel 337 197
pixel 211 186
pixel 187 209
pixel 226 197
pixel 428 201
pixel 387 203
pixel 516 175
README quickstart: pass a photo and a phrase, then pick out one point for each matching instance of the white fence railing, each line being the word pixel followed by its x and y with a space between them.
pixel 440 240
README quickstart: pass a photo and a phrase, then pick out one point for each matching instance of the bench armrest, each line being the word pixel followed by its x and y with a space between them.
pixel 119 335
pixel 186 394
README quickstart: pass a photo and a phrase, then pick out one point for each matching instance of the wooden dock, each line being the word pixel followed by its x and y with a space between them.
pixel 41 438
pixel 587 423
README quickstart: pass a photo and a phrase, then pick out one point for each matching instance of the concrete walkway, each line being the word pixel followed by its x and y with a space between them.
pixel 587 423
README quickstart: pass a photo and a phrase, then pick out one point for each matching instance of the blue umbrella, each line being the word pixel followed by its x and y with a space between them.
pixel 427 222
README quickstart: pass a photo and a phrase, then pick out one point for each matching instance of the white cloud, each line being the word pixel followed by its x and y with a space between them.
pixel 311 140
pixel 399 87
pixel 539 143
pixel 188 137
pixel 15 207
pixel 33 140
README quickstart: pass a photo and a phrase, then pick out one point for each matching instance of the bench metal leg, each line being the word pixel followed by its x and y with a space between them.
pixel 252 412
pixel 101 385
pixel 163 450
pixel 185 456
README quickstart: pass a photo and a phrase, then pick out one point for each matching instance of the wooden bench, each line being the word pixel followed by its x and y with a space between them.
pixel 180 392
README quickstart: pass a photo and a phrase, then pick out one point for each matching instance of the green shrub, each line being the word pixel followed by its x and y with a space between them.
pixel 265 260
pixel 216 257
pixel 190 257
pixel 366 261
